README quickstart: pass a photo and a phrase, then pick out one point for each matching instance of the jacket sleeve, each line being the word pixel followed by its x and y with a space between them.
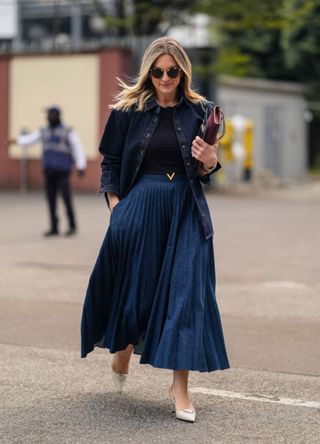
pixel 29 139
pixel 111 147
pixel 207 177
pixel 77 150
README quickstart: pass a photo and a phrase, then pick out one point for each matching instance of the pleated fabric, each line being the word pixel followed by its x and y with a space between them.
pixel 153 284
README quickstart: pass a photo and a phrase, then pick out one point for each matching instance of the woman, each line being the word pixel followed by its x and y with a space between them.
pixel 152 290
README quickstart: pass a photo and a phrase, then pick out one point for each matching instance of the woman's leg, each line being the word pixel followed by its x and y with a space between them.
pixel 121 359
pixel 179 390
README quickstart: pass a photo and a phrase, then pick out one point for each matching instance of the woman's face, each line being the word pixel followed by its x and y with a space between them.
pixel 166 84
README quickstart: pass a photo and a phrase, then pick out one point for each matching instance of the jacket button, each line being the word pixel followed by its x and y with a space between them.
pixel 155 119
pixel 183 146
pixel 188 163
pixel 141 152
pixel 137 169
pixel 179 129
pixel 191 181
pixel 202 214
pixel 148 135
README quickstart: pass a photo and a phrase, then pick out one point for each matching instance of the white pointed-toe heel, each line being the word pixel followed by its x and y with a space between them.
pixel 119 380
pixel 183 415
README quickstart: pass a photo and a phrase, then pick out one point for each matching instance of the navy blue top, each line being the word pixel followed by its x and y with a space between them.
pixel 125 140
pixel 57 154
pixel 163 153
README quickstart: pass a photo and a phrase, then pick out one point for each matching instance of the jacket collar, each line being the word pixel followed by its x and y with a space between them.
pixel 152 103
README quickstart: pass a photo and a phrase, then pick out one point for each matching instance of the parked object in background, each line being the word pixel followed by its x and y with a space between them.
pixel 237 148
pixel 61 149
pixel 277 110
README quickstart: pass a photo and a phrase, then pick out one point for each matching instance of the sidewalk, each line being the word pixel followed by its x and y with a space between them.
pixel 267 259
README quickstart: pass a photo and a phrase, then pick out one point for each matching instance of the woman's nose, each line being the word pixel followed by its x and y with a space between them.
pixel 165 75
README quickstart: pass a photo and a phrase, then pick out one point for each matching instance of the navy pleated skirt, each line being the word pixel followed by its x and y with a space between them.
pixel 153 284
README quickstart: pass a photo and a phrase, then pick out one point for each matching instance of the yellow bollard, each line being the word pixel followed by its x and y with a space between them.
pixel 248 148
pixel 227 156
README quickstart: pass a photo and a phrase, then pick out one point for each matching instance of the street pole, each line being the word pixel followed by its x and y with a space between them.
pixel 76 25
pixel 17 41
pixel 24 165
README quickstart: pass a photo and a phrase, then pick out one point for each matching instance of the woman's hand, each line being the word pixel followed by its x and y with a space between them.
pixel 205 153
pixel 113 200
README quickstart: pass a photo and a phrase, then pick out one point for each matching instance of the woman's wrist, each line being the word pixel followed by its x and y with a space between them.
pixel 207 168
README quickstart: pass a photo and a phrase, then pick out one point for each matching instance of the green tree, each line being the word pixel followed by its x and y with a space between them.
pixel 275 39
pixel 144 18
pixel 300 42
pixel 250 35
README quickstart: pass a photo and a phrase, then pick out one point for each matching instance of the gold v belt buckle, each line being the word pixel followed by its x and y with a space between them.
pixel 170 177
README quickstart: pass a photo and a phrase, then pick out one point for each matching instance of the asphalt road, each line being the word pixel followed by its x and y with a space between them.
pixel 267 251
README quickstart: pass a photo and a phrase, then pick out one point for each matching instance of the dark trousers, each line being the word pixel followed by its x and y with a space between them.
pixel 58 182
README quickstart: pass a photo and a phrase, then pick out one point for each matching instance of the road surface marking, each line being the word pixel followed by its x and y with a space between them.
pixel 285 284
pixel 259 398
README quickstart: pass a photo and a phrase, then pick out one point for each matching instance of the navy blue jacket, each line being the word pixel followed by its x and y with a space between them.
pixel 125 140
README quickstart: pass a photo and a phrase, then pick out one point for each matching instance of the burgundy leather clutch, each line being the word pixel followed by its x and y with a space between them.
pixel 212 127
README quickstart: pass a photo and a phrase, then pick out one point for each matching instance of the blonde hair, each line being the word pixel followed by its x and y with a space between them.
pixel 141 90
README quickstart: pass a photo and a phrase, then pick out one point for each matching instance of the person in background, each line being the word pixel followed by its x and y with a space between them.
pixel 61 149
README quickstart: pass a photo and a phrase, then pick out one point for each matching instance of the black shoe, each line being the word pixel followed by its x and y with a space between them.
pixel 51 233
pixel 71 232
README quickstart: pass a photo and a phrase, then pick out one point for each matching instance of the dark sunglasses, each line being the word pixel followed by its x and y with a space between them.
pixel 157 73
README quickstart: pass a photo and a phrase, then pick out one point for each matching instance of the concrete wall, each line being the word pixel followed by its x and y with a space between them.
pixel 36 82
pixel 82 84
pixel 277 110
